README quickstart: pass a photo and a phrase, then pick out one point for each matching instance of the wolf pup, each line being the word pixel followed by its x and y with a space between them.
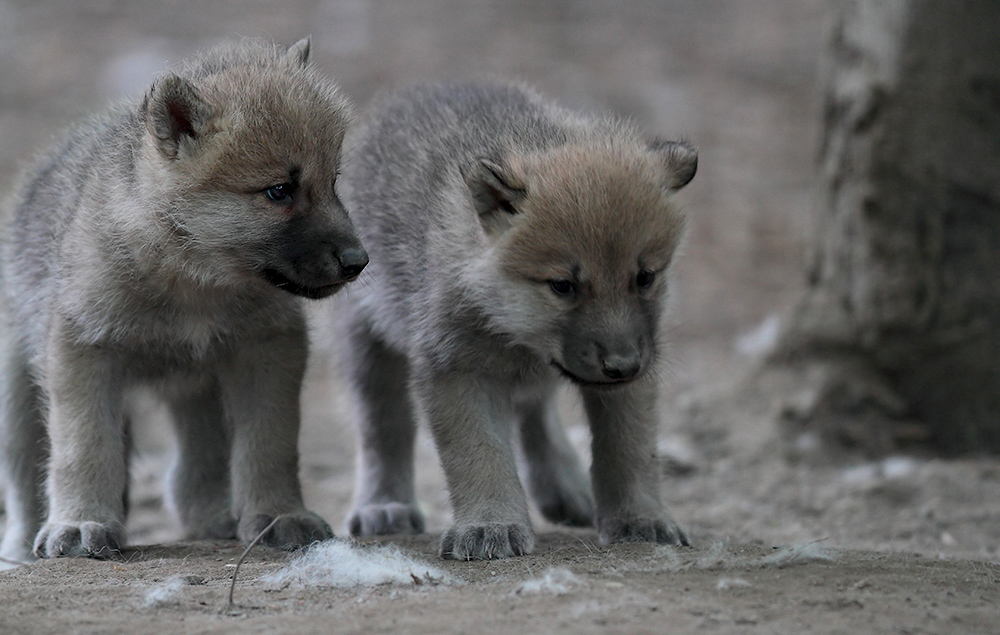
pixel 513 243
pixel 168 244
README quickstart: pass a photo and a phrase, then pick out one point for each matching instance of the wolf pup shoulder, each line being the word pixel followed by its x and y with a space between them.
pixel 167 244
pixel 514 244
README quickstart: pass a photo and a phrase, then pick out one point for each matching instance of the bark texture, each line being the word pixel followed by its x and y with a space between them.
pixel 904 303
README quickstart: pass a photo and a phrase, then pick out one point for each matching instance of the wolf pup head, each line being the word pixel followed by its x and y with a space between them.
pixel 581 237
pixel 252 150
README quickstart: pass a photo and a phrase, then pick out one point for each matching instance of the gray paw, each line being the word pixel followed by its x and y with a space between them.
pixel 561 488
pixel 662 530
pixel 488 541
pixel 293 530
pixel 205 519
pixel 221 528
pixel 389 518
pixel 91 539
pixel 568 507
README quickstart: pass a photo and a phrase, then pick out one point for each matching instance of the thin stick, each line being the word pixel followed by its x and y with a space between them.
pixel 246 552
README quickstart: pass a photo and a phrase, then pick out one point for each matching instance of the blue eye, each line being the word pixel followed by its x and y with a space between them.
pixel 645 279
pixel 279 193
pixel 563 288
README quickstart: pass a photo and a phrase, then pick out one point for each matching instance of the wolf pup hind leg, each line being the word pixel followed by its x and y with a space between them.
pixel 168 243
pixel 514 245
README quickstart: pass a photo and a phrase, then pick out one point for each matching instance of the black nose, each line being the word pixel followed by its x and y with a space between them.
pixel 621 366
pixel 352 262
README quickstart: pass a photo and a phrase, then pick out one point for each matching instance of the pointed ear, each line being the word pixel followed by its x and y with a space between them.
pixel 495 193
pixel 176 115
pixel 678 158
pixel 298 53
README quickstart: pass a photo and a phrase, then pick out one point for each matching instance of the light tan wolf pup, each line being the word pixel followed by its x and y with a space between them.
pixel 167 244
pixel 513 243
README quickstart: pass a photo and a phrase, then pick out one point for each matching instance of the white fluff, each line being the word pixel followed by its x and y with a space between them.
pixel 893 467
pixel 725 584
pixel 720 557
pixel 717 557
pixel 797 554
pixel 169 593
pixel 555 581
pixel 339 563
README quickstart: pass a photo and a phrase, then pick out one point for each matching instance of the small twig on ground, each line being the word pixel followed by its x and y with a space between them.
pixel 246 552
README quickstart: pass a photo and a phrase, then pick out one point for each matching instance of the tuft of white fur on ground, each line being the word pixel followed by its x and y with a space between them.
pixel 724 584
pixel 169 593
pixel 890 468
pixel 720 557
pixel 555 581
pixel 717 557
pixel 343 564
pixel 797 554
pixel 671 560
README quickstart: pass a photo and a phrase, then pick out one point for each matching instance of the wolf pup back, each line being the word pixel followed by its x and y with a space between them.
pixel 167 243
pixel 514 245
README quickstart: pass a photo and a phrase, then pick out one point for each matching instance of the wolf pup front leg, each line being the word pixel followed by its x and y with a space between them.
pixel 472 421
pixel 168 244
pixel 261 394
pixel 513 243
pixel 88 469
pixel 625 472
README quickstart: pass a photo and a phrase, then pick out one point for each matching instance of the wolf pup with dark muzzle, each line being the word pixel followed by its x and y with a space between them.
pixel 513 243
pixel 167 244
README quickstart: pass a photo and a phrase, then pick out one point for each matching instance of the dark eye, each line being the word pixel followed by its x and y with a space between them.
pixel 280 193
pixel 563 287
pixel 644 279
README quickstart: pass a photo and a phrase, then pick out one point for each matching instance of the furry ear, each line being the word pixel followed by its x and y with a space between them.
pixel 176 115
pixel 680 160
pixel 298 53
pixel 495 192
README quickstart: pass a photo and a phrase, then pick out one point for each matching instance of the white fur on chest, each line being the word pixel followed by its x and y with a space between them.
pixel 182 328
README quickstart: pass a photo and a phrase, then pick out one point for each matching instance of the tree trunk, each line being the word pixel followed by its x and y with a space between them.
pixel 904 277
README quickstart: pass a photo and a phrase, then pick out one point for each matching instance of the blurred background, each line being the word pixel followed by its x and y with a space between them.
pixel 739 79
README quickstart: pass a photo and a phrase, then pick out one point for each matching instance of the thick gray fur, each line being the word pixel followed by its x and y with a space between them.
pixel 147 249
pixel 468 196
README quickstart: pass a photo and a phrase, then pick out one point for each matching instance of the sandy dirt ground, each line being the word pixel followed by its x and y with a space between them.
pixel 896 544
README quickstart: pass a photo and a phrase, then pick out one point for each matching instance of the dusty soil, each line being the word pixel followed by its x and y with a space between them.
pixel 627 588
pixel 904 544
